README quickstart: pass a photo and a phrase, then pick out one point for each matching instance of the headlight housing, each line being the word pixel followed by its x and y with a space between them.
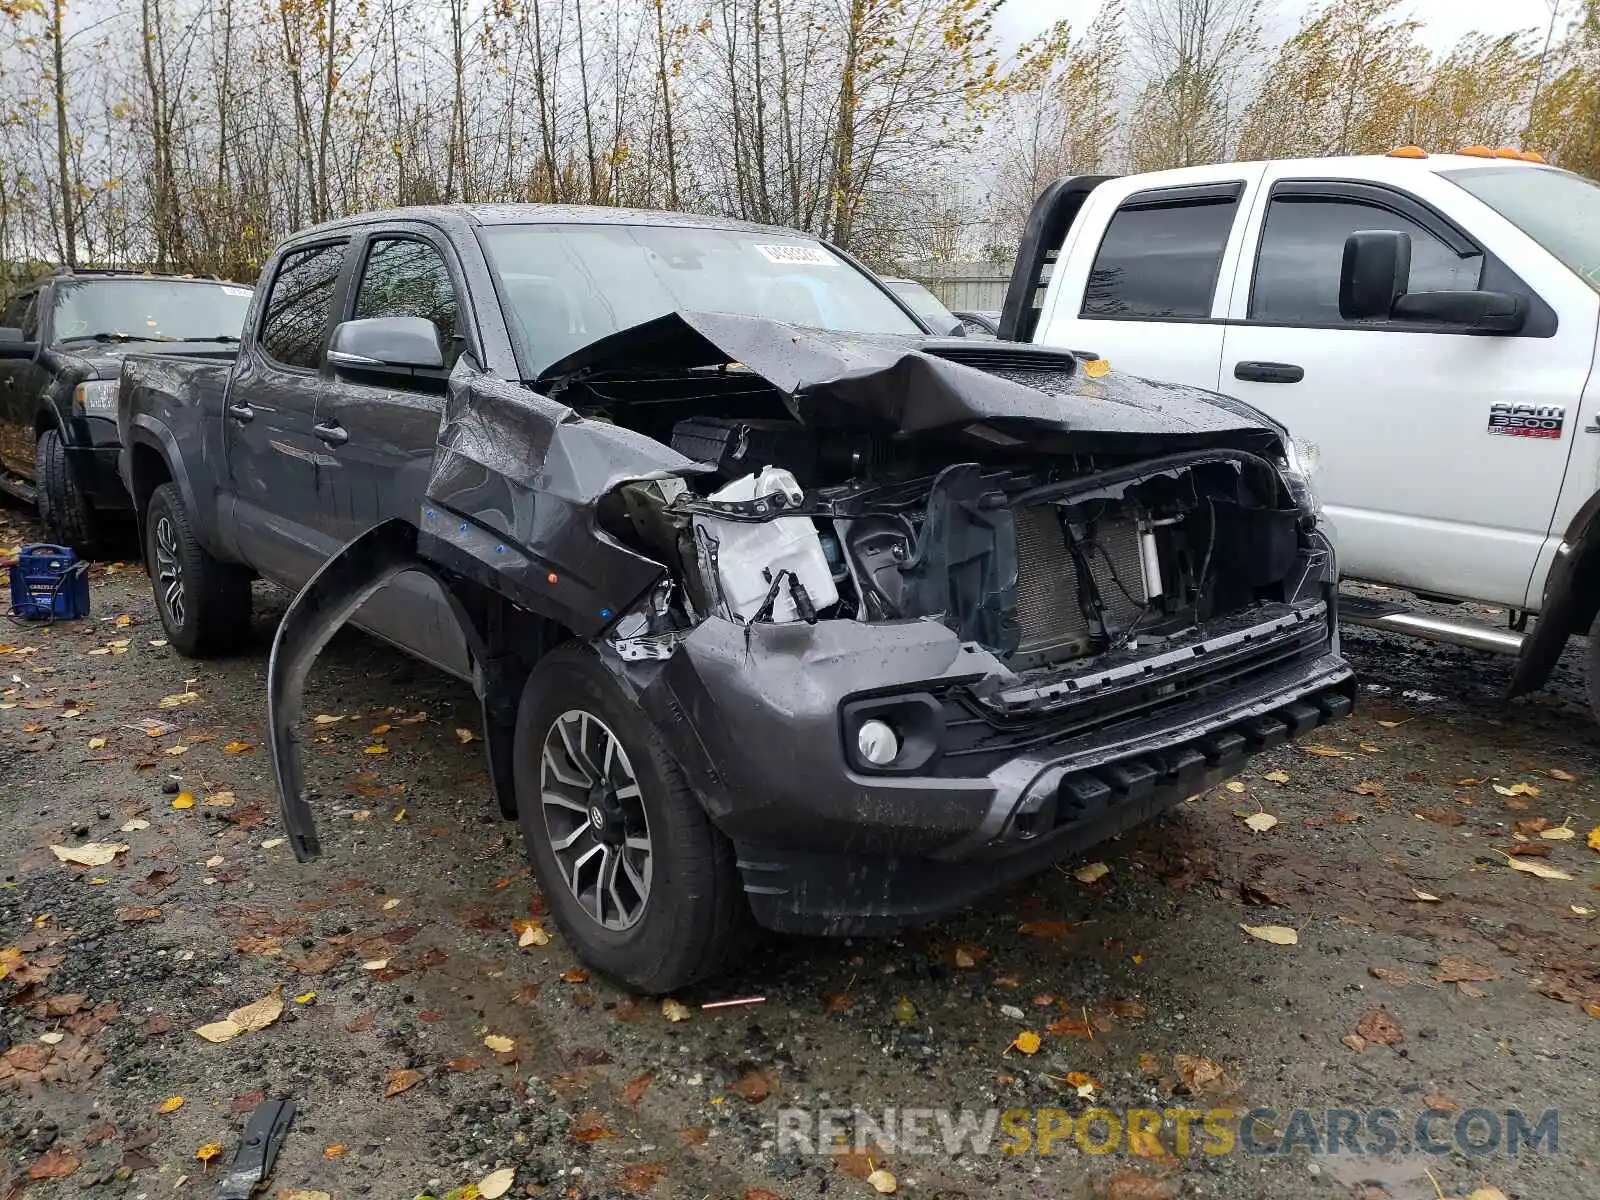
pixel 1299 467
pixel 96 398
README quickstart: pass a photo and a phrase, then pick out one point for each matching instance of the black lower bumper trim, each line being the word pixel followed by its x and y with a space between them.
pixel 821 892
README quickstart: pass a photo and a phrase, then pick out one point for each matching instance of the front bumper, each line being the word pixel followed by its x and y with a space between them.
pixel 754 716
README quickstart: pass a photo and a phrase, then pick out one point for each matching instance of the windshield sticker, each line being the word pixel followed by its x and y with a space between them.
pixel 236 291
pixel 797 256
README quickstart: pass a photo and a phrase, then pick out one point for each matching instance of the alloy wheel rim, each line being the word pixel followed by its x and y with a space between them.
pixel 595 819
pixel 169 570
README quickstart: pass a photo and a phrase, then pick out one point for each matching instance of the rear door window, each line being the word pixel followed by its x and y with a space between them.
pixel 1161 254
pixel 297 308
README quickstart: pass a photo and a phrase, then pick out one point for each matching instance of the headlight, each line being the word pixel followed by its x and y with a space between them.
pixel 1299 467
pixel 97 397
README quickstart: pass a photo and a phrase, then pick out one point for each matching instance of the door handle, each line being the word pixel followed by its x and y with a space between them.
pixel 242 413
pixel 332 433
pixel 1268 372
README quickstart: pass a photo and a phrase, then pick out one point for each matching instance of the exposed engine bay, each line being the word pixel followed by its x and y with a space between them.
pixel 1043 545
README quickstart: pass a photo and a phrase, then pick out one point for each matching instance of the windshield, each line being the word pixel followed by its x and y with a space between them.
pixel 925 304
pixel 565 286
pixel 1557 209
pixel 158 310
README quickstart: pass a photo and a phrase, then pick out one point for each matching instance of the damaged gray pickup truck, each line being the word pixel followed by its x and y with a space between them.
pixel 777 606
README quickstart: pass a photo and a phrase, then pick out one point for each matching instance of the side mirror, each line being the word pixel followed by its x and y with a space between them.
pixel 386 346
pixel 1470 312
pixel 13 345
pixel 1374 273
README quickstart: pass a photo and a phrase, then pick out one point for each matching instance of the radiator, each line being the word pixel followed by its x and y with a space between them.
pixel 1053 623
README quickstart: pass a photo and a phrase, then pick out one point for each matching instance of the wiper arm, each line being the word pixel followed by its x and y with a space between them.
pixel 225 338
pixel 113 337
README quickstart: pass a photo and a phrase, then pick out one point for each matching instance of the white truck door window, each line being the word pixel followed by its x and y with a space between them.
pixel 1421 484
pixel 1146 299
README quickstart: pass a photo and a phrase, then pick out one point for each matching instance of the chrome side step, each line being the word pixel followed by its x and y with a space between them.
pixel 15 485
pixel 1432 629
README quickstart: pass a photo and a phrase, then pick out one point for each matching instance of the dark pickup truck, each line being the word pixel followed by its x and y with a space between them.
pixel 777 605
pixel 62 340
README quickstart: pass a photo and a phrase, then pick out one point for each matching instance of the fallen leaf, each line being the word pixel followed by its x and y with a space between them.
pixel 1440 815
pixel 129 916
pixel 219 800
pixel 1517 789
pixel 272 843
pixel 904 1012
pixel 1276 776
pixel 325 719
pixel 175 750
pixel 1091 872
pixel 754 1085
pixel 251 1018
pixel 1488 1193
pixel 1594 838
pixel 375 749
pixel 209 1151
pixel 1376 1025
pixel 591 1127
pixel 465 735
pixel 576 975
pixel 674 1010
pixel 305 997
pixel 1233 785
pixel 1559 834
pixel 52 1039
pixel 463 1064
pixel 1369 787
pixel 134 825
pixel 380 730
pixel 54 1164
pixel 90 854
pixel 1129 1184
pixel 177 700
pixel 1261 821
pixel 97 743
pixel 1453 968
pixel 1071 1027
pixel 497 1183
pixel 302 1194
pixel 883 1181
pixel 1323 751
pixel 1563 776
pixel 1027 1042
pixel 170 1105
pixel 1278 935
pixel 637 1086
pixel 500 1044
pixel 1426 896
pixel 1532 866
pixel 401 1081
pixel 1201 1074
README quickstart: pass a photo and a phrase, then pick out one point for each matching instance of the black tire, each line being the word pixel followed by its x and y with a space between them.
pixel 1591 668
pixel 204 603
pixel 64 511
pixel 694 917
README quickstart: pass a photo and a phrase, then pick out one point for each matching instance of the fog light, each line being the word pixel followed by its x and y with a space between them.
pixel 877 743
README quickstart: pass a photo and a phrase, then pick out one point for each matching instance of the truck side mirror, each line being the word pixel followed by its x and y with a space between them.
pixel 14 345
pixel 1374 273
pixel 1468 312
pixel 386 346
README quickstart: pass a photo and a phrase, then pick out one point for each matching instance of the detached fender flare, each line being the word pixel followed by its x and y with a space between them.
pixel 342 585
pixel 1571 600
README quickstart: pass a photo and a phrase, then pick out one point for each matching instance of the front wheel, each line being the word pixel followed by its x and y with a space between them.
pixel 67 517
pixel 636 876
pixel 204 603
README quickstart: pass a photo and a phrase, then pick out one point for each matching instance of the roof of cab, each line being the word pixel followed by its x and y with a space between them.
pixel 540 214
pixel 1356 166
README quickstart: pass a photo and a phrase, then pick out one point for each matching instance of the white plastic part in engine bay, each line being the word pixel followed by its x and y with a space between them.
pixel 751 553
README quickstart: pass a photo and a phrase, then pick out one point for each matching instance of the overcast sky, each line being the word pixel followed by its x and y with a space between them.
pixel 1444 22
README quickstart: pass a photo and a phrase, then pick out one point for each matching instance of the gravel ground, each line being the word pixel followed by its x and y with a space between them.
pixel 398 955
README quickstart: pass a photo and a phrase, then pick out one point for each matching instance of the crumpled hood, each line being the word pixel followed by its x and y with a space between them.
pixel 916 385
